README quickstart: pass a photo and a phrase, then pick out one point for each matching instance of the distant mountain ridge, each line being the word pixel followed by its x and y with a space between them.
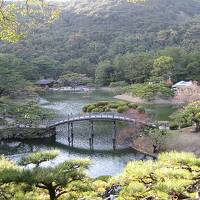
pixel 98 30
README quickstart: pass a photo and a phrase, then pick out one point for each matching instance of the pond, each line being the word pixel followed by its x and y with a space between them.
pixel 104 161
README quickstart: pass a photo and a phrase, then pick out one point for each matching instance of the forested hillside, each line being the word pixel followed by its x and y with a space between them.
pixel 94 34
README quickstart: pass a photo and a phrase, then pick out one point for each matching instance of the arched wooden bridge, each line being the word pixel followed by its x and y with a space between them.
pixel 91 117
pixel 94 116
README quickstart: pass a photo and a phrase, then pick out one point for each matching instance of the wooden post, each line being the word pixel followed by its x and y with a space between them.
pixel 92 132
pixel 72 134
pixel 114 129
pixel 91 138
pixel 68 130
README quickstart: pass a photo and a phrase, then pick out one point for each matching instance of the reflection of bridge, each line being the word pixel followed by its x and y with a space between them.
pixel 91 117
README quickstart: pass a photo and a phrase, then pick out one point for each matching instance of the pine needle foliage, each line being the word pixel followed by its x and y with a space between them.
pixel 173 176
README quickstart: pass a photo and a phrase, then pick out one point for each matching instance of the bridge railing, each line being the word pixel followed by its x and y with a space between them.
pixel 88 115
pixel 92 115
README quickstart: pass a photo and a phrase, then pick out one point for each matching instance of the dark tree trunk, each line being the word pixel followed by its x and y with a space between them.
pixel 155 148
pixel 197 129
pixel 52 193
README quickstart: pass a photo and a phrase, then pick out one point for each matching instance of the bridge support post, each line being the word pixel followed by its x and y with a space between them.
pixel 114 130
pixel 72 133
pixel 91 138
pixel 68 135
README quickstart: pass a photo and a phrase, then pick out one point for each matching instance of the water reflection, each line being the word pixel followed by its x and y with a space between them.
pixel 103 162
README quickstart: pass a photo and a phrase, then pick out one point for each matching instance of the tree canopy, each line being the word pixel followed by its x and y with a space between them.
pixel 153 38
pixel 54 179
pixel 15 16
pixel 189 115
pixel 173 176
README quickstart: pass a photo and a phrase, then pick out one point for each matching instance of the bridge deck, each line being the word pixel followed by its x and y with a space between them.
pixel 93 116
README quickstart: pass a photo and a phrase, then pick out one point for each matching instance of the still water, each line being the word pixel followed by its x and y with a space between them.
pixel 104 161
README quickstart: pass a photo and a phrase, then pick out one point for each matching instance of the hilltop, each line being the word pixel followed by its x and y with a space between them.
pixel 91 35
pixel 100 29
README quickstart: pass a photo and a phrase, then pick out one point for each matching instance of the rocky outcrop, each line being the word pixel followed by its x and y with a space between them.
pixel 26 133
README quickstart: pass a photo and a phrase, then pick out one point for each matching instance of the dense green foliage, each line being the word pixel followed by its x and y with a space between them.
pixel 56 180
pixel 116 40
pixel 188 115
pixel 157 136
pixel 30 113
pixel 172 176
pixel 138 42
pixel 26 113
pixel 12 27
pixel 118 84
pixel 38 157
pixel 106 106
pixel 74 79
pixel 148 90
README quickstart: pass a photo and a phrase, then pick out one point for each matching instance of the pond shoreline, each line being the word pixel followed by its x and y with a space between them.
pixel 24 133
pixel 154 156
pixel 137 100
pixel 63 103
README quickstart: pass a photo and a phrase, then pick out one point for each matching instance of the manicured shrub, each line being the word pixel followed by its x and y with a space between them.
pixel 95 110
pixel 102 103
pixel 85 108
pixel 122 109
pixel 113 105
pixel 101 109
pixel 141 109
pixel 126 108
pixel 106 106
pixel 90 108
pixel 133 106
pixel 107 110
pixel 121 103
